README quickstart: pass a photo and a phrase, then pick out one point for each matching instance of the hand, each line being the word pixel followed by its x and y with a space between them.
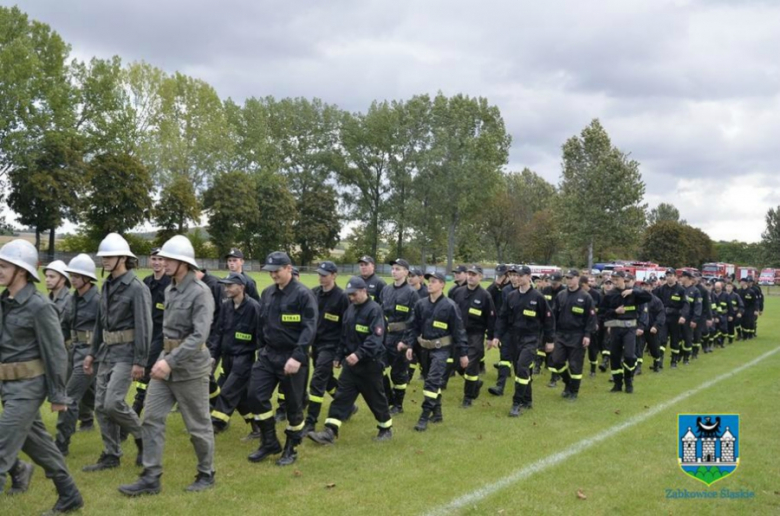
pixel 731 319
pixel 292 366
pixel 464 362
pixel 739 315
pixel 620 310
pixel 160 371
pixel 492 344
pixel 585 342
pixel 138 372
pixel 336 364
pixel 401 347
pixel 409 354
pixel 213 365
pixel 352 359
pixel 88 365
pixel 653 330
pixel 639 333
pixel 681 321
pixel 627 292
pixel 709 323
pixel 58 407
pixel 693 324
pixel 548 348
pixel 755 313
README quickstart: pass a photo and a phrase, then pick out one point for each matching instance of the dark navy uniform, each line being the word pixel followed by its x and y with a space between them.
pixel 749 301
pixel 702 332
pixel 696 312
pixel 397 303
pixel 596 338
pixel 675 306
pixel 549 293
pixel 575 318
pixel 375 286
pixel 652 318
pixel 734 314
pixel 479 317
pixel 622 329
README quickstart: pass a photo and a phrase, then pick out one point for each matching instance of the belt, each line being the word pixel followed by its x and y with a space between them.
pixel 82 337
pixel 395 327
pixel 436 343
pixel 670 310
pixel 617 323
pixel 171 344
pixel 118 337
pixel 21 370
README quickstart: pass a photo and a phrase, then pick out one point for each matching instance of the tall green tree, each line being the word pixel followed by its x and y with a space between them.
pixel 231 204
pixel 601 193
pixel 770 238
pixel 318 224
pixel 177 206
pixel 277 213
pixel 664 243
pixel 118 194
pixel 662 212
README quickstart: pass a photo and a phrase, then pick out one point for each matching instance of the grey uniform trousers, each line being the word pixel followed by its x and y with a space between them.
pixel 78 385
pixel 192 397
pixel 22 430
pixel 113 412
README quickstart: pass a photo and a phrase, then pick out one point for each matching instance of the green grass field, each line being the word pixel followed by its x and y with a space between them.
pixel 628 473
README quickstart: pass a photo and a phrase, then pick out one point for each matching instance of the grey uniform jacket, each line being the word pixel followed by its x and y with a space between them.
pixel 84 312
pixel 125 304
pixel 31 330
pixel 63 305
pixel 189 309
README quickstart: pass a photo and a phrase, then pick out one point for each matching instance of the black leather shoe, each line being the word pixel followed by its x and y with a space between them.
pixel 326 436
pixel 202 482
pixel 21 474
pixel 104 462
pixel 385 434
pixel 145 485
pixel 516 411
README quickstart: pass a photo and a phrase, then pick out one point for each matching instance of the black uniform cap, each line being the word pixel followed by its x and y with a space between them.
pixel 355 283
pixel 326 268
pixel 501 269
pixel 556 276
pixel 234 278
pixel 276 261
pixel 401 263
pixel 234 253
pixel 437 275
pixel 366 259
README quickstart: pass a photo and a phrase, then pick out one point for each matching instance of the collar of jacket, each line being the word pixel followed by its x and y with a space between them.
pixel 22 296
pixel 92 292
pixel 188 278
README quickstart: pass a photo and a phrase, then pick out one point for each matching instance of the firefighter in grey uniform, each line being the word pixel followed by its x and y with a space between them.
pixel 181 375
pixel 85 303
pixel 397 302
pixel 33 366
pixel 58 284
pixel 438 327
pixel 575 321
pixel 361 352
pixel 120 346
pixel 524 320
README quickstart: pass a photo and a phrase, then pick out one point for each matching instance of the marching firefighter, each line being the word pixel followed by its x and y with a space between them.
pixel 652 320
pixel 181 375
pixel 620 306
pixel 397 302
pixel 417 281
pixel 549 292
pixel 157 282
pixel 375 284
pixel 83 313
pixel 332 303
pixel 734 314
pixel 479 318
pixel 438 328
pixel 692 328
pixel 524 323
pixel 361 354
pixel 238 328
pixel 505 362
pixel 575 321
pixel 676 309
pixel 588 286
pixel 749 313
pixel 288 315
pixel 235 263
pixel 217 294
pixel 459 279
pixel 704 324
pixel 759 302
pixel 120 346
pixel 33 367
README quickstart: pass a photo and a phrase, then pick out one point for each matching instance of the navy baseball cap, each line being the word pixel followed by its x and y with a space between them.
pixel 326 268
pixel 295 271
pixel 522 270
pixel 234 253
pixel 474 268
pixel 401 263
pixel 501 269
pixel 415 271
pixel 366 259
pixel 572 273
pixel 355 283
pixel 234 278
pixel 436 275
pixel 556 276
pixel 619 274
pixel 460 268
pixel 687 274
pixel 276 261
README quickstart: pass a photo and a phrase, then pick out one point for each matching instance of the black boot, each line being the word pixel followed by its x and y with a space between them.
pixel 269 443
pixel 592 370
pixel 629 384
pixel 516 410
pixel 498 389
pixel 86 426
pixel 478 388
pixel 604 363
pixel 422 423
pixel 253 434
pixel 385 434
pixel 326 436
pixel 638 369
pixel 69 498
pixel 289 454
pixel 139 459
pixel 146 484
pixel 105 461
pixel 63 447
pixel 21 473
pixel 202 482
pixel 437 417
pixel 398 401
pixel 280 415
pixel 138 405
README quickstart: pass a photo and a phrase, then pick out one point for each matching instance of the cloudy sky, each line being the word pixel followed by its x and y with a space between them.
pixel 690 88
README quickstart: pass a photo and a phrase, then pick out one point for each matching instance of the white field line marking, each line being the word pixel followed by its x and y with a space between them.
pixel 580 446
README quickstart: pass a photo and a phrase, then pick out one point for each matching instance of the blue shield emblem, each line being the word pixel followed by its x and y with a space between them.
pixel 708 445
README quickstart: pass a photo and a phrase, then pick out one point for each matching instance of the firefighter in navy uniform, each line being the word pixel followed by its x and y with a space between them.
pixel 676 309
pixel 495 290
pixel 524 323
pixel 397 301
pixel 217 293
pixel 621 306
pixel 504 350
pixel 549 292
pixel 458 278
pixel 438 327
pixel 417 281
pixel 361 353
pixel 749 299
pixel 759 302
pixel 235 263
pixel 479 318
pixel 652 320
pixel 239 330
pixel 157 282
pixel 704 324
pixel 603 338
pixel 692 330
pixel 720 305
pixel 593 347
pixel 734 313
pixel 575 321
pixel 332 304
pixel 375 284
pixel 288 315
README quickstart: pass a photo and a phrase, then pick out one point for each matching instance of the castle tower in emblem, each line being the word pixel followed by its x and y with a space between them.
pixel 689 446
pixel 727 446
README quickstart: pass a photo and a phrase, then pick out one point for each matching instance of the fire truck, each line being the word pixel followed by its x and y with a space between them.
pixel 718 270
pixel 745 271
pixel 537 271
pixel 769 277
pixel 692 270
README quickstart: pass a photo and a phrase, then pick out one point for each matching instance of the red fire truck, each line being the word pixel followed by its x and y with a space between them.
pixel 718 270
pixel 745 271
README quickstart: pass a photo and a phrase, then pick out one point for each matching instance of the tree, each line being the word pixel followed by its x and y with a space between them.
pixel 317 226
pixel 601 193
pixel 118 194
pixel 664 243
pixel 469 147
pixel 177 207
pixel 662 212
pixel 741 253
pixel 232 206
pixel 770 238
pixel 274 228
pixel 544 237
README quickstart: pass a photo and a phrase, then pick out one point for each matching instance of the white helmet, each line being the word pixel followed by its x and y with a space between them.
pixel 179 248
pixel 114 245
pixel 22 254
pixel 59 267
pixel 82 264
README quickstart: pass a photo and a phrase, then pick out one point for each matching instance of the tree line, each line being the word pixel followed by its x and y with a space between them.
pixel 111 145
